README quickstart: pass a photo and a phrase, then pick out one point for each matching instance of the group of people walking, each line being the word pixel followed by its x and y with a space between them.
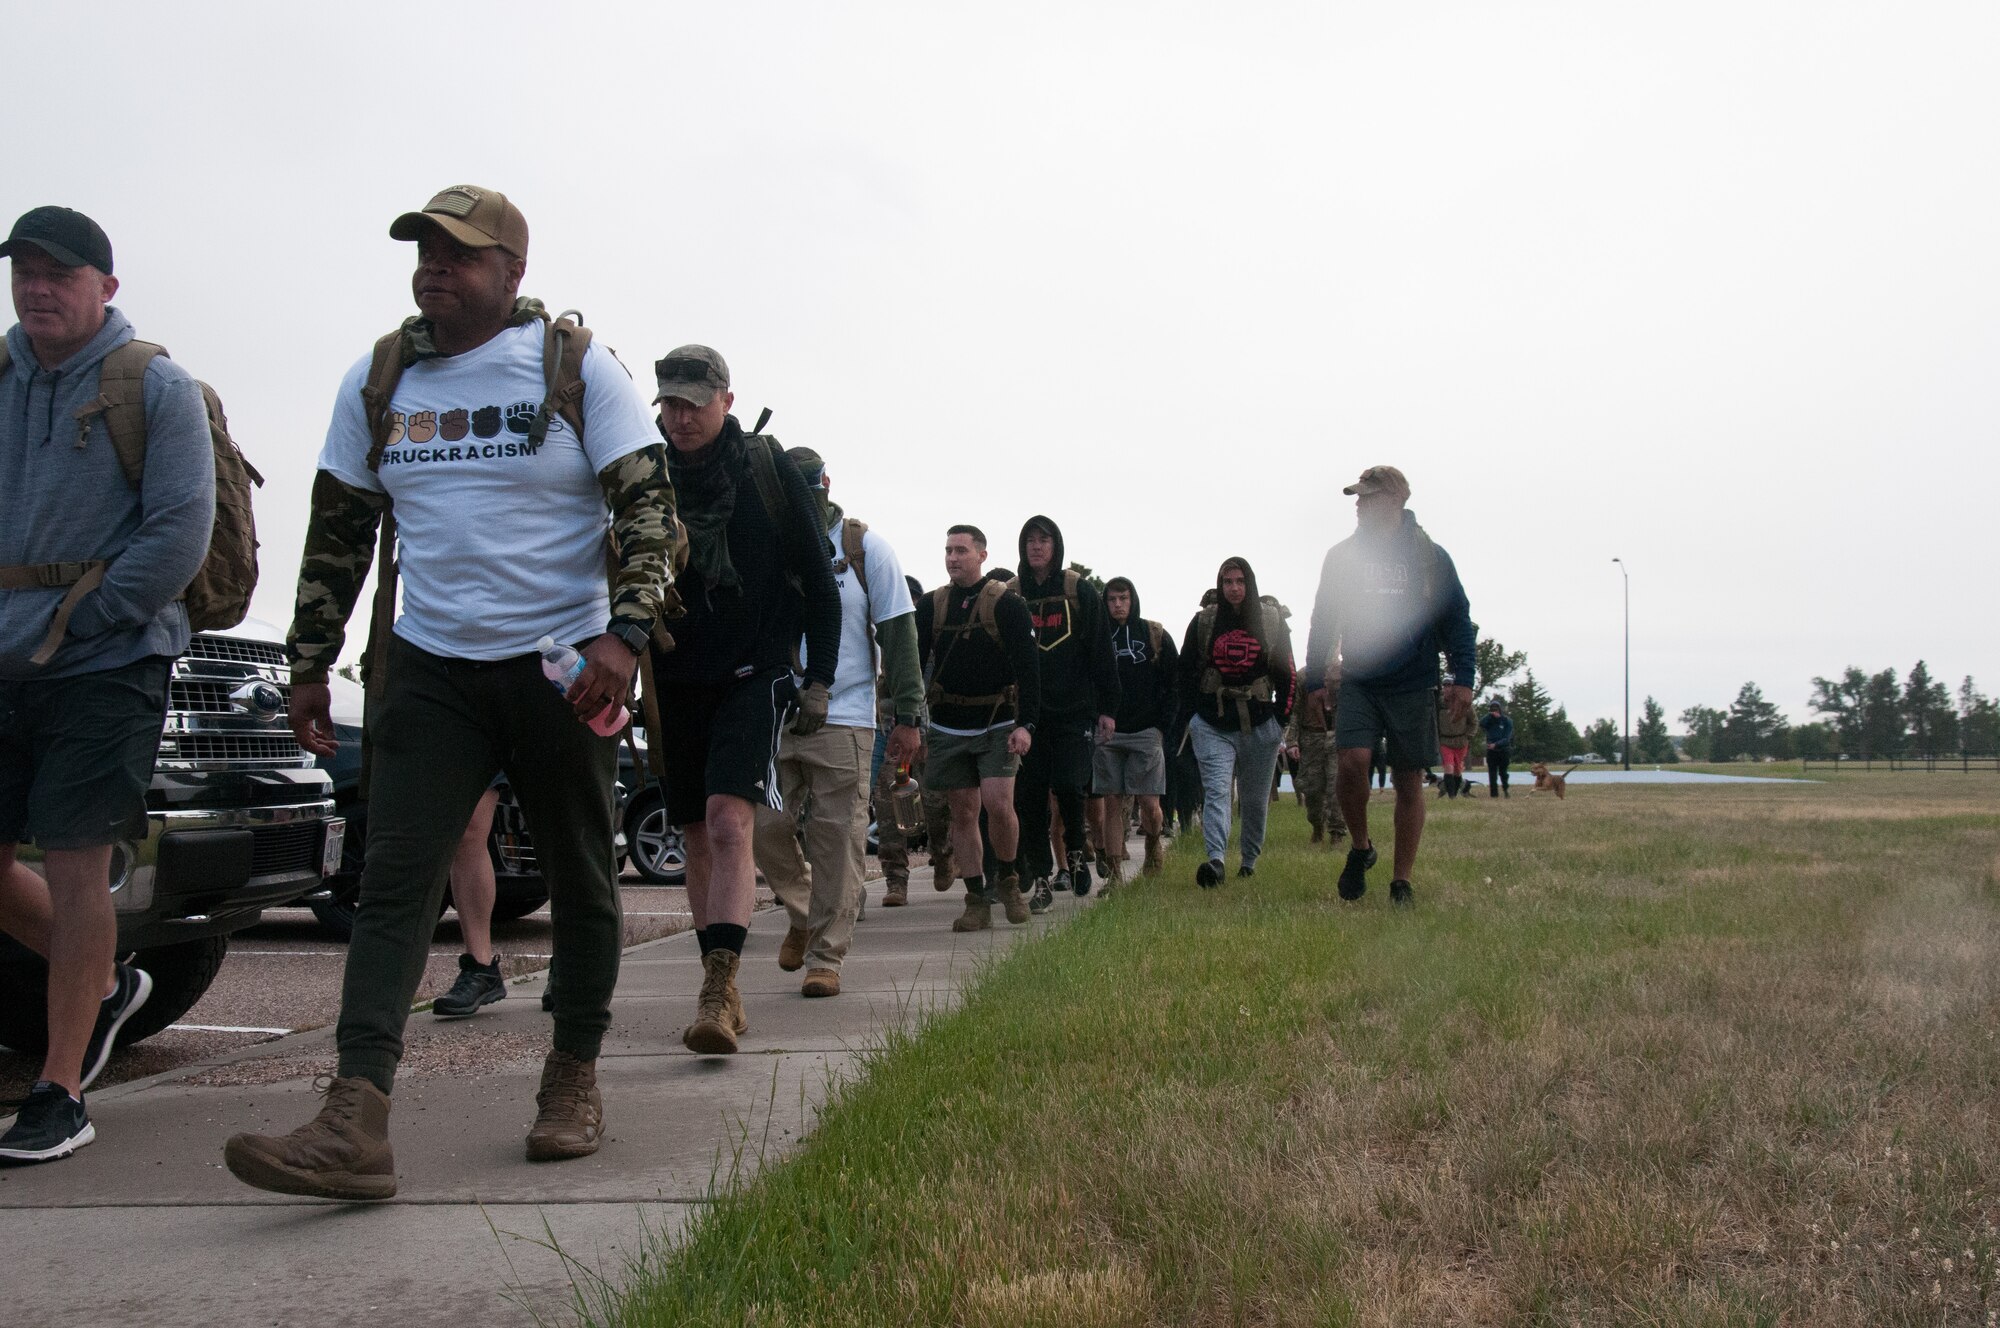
pixel 500 467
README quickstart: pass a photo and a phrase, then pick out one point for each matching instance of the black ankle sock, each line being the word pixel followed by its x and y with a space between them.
pixel 1006 866
pixel 727 936
pixel 701 938
pixel 975 884
pixel 491 966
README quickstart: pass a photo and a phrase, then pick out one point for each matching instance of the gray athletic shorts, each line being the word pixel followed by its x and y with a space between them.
pixel 1131 764
pixel 1409 719
pixel 956 761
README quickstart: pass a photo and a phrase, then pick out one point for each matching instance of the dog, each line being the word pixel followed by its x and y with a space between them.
pixel 1555 783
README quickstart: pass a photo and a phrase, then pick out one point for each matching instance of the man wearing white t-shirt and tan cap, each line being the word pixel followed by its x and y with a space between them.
pixel 477 446
pixel 827 773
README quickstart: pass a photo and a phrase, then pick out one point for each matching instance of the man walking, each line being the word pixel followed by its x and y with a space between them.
pixel 757 579
pixel 1389 603
pixel 1237 684
pixel 1079 703
pixel 1133 762
pixel 1309 742
pixel 892 848
pixel 502 476
pixel 83 670
pixel 983 693
pixel 824 775
pixel 1499 731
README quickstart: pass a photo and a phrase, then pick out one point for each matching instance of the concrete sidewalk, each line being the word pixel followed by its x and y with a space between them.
pixel 145 1226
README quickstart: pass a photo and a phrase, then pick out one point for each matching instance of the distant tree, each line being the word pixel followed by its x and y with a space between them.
pixel 1883 731
pixel 1528 705
pixel 1560 740
pixel 1927 709
pixel 1815 739
pixel 1650 741
pixel 1841 701
pixel 1704 728
pixel 1602 738
pixel 1754 727
pixel 350 672
pixel 1978 719
pixel 1093 578
pixel 1493 664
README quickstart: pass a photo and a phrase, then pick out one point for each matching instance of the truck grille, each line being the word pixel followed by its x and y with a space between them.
pixel 199 696
pixel 291 847
pixel 511 838
pixel 235 651
pixel 271 748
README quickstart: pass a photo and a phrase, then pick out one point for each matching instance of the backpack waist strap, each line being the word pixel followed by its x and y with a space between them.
pixel 81 578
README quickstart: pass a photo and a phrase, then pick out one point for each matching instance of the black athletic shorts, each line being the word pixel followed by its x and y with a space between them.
pixel 76 755
pixel 723 738
pixel 1362 717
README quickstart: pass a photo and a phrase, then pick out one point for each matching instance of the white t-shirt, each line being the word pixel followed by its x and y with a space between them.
pixel 502 543
pixel 852 702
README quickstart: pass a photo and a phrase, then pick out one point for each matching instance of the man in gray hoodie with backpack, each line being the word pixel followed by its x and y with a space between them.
pixel 93 559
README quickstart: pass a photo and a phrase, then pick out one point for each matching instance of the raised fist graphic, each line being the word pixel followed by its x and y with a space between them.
pixel 486 421
pixel 521 416
pixel 453 425
pixel 423 426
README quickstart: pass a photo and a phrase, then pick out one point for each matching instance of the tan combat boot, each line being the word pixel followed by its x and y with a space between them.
pixel 1319 834
pixel 897 894
pixel 978 915
pixel 792 950
pixel 821 982
pixel 342 1153
pixel 569 1114
pixel 1156 855
pixel 717 1009
pixel 1114 873
pixel 1012 902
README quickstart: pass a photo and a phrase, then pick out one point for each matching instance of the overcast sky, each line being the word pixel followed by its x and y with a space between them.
pixel 1712 288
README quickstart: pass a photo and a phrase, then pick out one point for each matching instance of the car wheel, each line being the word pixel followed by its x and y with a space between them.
pixel 658 852
pixel 509 908
pixel 181 974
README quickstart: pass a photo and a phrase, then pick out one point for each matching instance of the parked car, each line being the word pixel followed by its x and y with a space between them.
pixel 654 847
pixel 239 820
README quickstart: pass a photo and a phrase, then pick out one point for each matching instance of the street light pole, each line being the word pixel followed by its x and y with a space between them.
pixel 1626 573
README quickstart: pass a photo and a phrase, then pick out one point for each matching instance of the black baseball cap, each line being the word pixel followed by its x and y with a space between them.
pixel 64 234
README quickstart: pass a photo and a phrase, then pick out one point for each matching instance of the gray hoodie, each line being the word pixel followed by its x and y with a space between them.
pixel 64 503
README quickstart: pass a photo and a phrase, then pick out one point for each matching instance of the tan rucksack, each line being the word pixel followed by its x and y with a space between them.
pixel 219 595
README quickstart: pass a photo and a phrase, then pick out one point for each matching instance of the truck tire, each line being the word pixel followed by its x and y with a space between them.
pixel 180 973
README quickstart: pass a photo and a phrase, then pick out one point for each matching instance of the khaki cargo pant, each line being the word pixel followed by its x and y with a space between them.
pixel 823 779
pixel 1316 763
pixel 891 849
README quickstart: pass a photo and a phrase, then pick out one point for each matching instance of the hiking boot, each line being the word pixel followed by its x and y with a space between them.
pixel 1319 834
pixel 478 984
pixel 1399 894
pixel 1245 869
pixel 1114 872
pixel 1079 875
pixel 50 1124
pixel 569 1114
pixel 978 915
pixel 1043 897
pixel 132 987
pixel 1013 904
pixel 1209 874
pixel 792 950
pixel 897 895
pixel 342 1153
pixel 941 872
pixel 713 1032
pixel 1339 833
pixel 1354 876
pixel 1156 856
pixel 821 982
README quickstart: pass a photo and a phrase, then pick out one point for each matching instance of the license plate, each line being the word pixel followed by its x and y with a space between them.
pixel 329 857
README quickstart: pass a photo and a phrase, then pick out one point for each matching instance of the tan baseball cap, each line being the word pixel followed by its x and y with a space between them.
pixel 1380 479
pixel 477 218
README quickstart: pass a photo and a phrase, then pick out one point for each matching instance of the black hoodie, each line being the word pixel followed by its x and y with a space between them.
pixel 1146 685
pixel 1079 675
pixel 1247 643
pixel 974 666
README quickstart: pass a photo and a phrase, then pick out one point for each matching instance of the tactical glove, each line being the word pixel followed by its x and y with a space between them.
pixel 812 710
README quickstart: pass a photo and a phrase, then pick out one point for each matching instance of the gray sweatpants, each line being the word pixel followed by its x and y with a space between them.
pixel 1225 756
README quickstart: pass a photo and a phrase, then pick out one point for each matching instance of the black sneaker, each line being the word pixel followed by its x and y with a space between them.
pixel 134 986
pixel 1246 869
pixel 1079 875
pixel 1354 876
pixel 1209 874
pixel 478 984
pixel 1399 894
pixel 1042 897
pixel 51 1124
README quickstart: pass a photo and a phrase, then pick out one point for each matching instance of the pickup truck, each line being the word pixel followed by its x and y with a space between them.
pixel 240 821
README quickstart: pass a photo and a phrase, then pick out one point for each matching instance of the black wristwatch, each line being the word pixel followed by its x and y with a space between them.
pixel 632 634
pixel 908 721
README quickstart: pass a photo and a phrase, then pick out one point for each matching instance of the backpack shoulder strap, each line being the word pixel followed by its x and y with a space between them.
pixel 121 400
pixel 940 605
pixel 854 549
pixel 1204 633
pixel 761 449
pixel 1154 635
pixel 986 609
pixel 564 341
pixel 385 370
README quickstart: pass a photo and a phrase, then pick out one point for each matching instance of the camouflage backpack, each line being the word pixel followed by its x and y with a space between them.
pixel 219 595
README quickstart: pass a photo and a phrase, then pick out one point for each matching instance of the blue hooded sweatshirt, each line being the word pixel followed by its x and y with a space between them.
pixel 1391 604
pixel 68 501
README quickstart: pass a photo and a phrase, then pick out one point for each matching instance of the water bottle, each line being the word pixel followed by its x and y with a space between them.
pixel 906 802
pixel 562 666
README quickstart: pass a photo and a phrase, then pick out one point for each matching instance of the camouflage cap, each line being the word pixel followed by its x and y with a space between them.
pixel 809 462
pixel 1380 479
pixel 477 218
pixel 691 373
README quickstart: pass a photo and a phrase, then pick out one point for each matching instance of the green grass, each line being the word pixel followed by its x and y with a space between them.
pixel 1657 1055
